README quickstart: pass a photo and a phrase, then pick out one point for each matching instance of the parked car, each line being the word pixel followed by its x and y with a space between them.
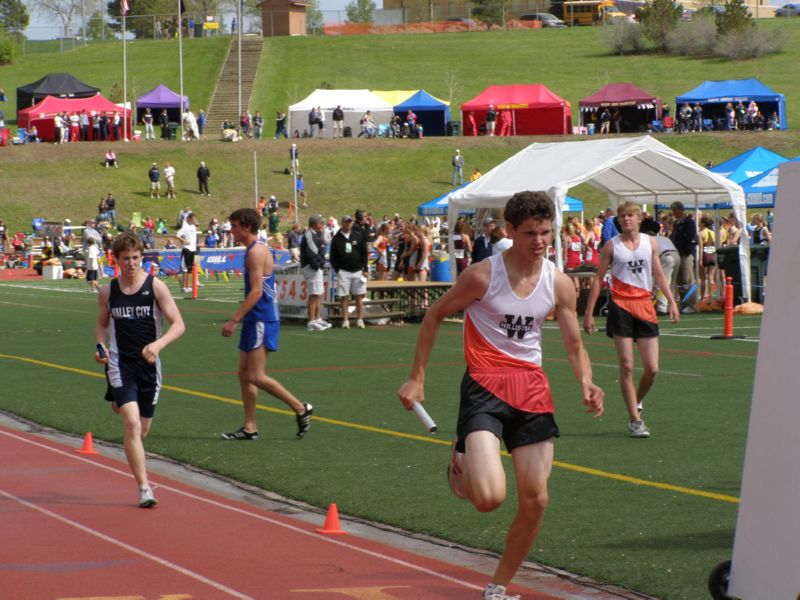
pixel 712 10
pixel 546 19
pixel 788 10
pixel 468 22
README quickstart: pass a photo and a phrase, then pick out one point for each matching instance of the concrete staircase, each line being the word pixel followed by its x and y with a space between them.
pixel 225 101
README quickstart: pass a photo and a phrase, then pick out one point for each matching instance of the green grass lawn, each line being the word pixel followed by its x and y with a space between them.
pixel 382 176
pixel 654 515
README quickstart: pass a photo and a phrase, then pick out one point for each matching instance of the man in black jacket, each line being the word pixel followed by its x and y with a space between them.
pixel 684 236
pixel 349 258
pixel 312 263
pixel 203 174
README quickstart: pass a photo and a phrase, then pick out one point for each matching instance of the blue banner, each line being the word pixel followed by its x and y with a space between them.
pixel 207 259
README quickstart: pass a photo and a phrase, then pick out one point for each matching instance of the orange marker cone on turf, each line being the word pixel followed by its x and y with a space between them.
pixel 88 444
pixel 331 526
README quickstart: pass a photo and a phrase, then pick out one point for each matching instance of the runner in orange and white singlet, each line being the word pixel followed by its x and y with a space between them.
pixel 633 260
pixel 505 394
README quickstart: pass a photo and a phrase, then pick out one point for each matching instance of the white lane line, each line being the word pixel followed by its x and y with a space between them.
pixel 235 509
pixel 133 549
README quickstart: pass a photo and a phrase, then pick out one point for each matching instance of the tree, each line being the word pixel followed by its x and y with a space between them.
pixel 161 14
pixel 314 19
pixel 659 19
pixel 360 11
pixel 735 18
pixel 488 12
pixel 13 15
pixel 66 11
pixel 9 48
pixel 97 28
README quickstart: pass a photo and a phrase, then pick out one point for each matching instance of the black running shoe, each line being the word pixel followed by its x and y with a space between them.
pixel 304 420
pixel 240 434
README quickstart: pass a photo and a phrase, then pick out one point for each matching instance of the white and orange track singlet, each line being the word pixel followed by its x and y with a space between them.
pixel 502 339
pixel 632 278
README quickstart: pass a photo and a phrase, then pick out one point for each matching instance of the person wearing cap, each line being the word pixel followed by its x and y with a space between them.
pixel 169 178
pixel 349 258
pixel 482 246
pixel 147 119
pixel 154 174
pixel 188 237
pixel 203 174
pixel 272 204
pixel 458 167
pixel 684 236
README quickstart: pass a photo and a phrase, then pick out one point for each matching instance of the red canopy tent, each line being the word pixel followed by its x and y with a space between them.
pixel 41 114
pixel 522 110
pixel 637 108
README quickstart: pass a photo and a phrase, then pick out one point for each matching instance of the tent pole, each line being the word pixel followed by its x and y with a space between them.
pixel 180 60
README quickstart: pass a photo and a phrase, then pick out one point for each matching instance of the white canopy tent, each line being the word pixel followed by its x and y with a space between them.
pixel 354 103
pixel 639 169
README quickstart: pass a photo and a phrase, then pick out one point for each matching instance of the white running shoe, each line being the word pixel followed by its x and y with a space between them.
pixel 638 429
pixel 187 290
pixel 345 324
pixel 314 326
pixel 323 324
pixel 146 498
pixel 497 592
pixel 360 324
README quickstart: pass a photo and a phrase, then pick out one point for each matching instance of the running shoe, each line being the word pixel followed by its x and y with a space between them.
pixel 455 474
pixel 314 326
pixel 304 420
pixel 240 434
pixel 497 592
pixel 146 498
pixel 345 324
pixel 360 324
pixel 323 324
pixel 638 429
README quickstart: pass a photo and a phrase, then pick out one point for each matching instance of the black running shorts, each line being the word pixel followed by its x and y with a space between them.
pixel 622 323
pixel 480 410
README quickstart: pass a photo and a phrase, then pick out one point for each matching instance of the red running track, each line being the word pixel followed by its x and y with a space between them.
pixel 70 529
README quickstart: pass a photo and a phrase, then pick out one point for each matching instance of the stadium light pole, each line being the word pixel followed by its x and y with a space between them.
pixel 239 19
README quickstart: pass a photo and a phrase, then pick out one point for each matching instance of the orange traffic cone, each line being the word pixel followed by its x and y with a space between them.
pixel 331 526
pixel 88 444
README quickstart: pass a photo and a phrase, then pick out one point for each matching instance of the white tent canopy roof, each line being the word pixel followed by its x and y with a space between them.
pixel 349 100
pixel 638 169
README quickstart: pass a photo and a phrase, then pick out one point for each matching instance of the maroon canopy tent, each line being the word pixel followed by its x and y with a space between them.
pixel 637 108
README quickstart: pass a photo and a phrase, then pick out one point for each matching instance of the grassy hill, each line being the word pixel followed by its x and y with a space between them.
pixel 383 176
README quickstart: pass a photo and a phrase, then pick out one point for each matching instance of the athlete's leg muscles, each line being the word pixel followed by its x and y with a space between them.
pixel 532 466
pixel 648 350
pixel 256 362
pixel 624 346
pixel 484 477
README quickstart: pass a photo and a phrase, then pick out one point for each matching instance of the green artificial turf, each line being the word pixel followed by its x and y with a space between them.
pixel 655 515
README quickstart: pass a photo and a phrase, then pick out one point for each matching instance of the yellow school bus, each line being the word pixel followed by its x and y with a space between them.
pixel 592 12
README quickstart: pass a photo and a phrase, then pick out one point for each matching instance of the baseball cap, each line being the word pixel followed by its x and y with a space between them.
pixel 347 218
pixel 488 221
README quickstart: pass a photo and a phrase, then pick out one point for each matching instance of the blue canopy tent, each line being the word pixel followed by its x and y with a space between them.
pixel 749 164
pixel 432 113
pixel 438 206
pixel 714 95
pixel 760 191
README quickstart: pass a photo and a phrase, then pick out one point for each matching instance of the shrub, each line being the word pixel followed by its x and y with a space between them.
pixel 697 37
pixel 9 48
pixel 749 43
pixel 624 38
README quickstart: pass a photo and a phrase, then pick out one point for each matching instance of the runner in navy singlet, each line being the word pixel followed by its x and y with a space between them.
pixel 129 332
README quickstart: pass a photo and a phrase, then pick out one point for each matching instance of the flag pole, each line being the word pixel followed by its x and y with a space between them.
pixel 180 58
pixel 124 5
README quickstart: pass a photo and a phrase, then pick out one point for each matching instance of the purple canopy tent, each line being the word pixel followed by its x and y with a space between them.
pixel 158 98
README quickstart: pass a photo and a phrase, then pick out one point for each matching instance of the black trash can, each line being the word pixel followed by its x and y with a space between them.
pixel 173 131
pixel 759 259
pixel 453 128
pixel 728 261
pixel 347 131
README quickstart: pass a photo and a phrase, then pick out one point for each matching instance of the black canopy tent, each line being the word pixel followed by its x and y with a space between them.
pixel 60 85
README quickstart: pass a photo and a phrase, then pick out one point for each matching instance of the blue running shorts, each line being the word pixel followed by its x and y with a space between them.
pixel 259 333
